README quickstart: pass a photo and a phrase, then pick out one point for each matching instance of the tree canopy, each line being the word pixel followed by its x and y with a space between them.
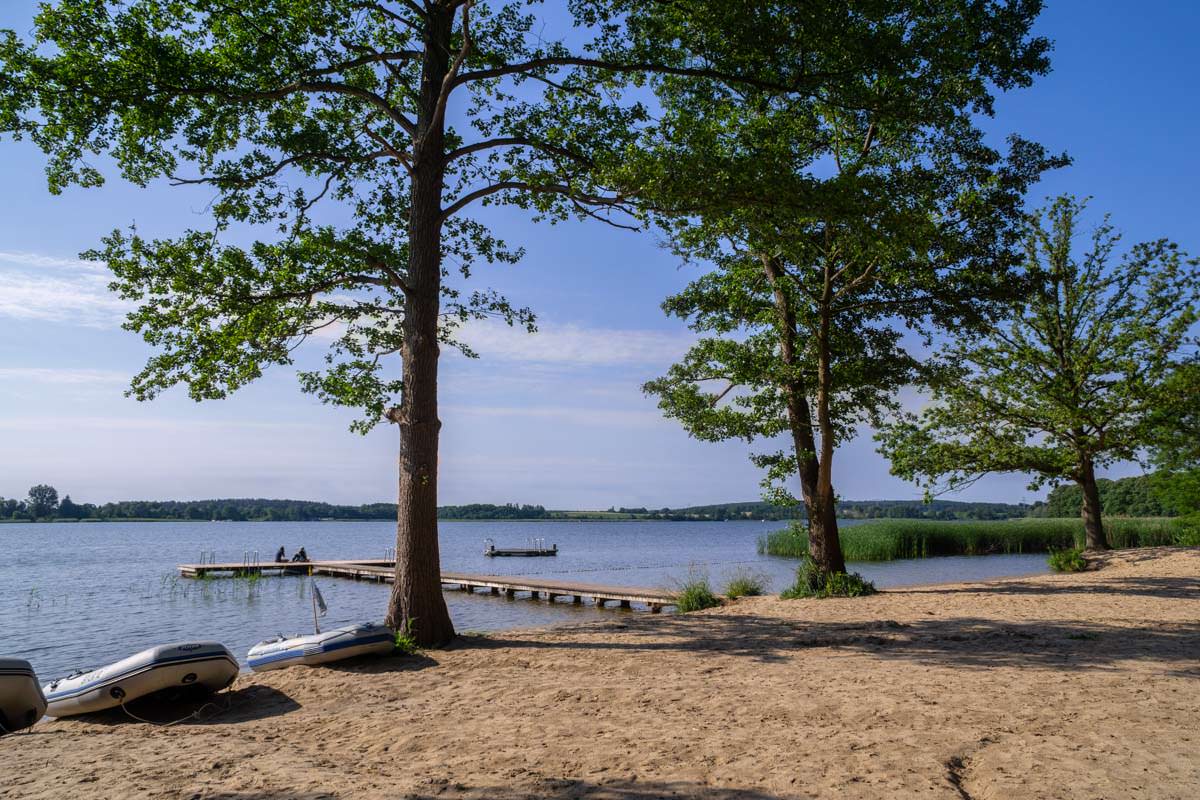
pixel 839 225
pixel 346 143
pixel 1074 380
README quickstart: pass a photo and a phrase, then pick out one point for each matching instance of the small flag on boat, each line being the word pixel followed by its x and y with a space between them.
pixel 320 601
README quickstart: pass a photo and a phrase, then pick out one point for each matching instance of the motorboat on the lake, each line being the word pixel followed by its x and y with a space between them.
pixel 204 666
pixel 321 647
pixel 21 700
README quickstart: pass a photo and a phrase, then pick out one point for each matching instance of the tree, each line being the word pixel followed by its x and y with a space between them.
pixel 1176 450
pixel 403 114
pixel 834 223
pixel 1075 380
pixel 42 502
pixel 69 510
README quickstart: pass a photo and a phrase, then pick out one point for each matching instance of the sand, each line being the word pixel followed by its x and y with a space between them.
pixel 1072 686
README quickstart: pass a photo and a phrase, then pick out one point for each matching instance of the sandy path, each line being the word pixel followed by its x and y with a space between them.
pixel 1081 686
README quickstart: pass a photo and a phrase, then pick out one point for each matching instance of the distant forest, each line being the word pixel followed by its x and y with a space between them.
pixel 1133 497
pixel 1140 496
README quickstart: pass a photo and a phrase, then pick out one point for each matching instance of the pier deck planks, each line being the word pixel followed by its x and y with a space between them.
pixel 382 571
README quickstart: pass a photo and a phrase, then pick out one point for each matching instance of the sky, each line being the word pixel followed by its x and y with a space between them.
pixel 558 417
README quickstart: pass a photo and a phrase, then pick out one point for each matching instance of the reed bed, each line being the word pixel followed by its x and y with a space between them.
pixel 888 539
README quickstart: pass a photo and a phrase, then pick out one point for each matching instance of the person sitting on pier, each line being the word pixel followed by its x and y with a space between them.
pixel 300 555
pixel 280 556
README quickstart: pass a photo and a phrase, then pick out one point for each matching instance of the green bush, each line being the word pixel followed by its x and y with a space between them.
pixel 1187 530
pixel 694 594
pixel 1069 560
pixel 406 640
pixel 814 582
pixel 745 584
pixel 887 539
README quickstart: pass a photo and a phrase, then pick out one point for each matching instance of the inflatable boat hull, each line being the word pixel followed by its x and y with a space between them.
pixel 321 648
pixel 21 700
pixel 205 665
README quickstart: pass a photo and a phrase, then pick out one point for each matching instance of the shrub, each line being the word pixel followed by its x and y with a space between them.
pixel 1187 530
pixel 1069 560
pixel 814 582
pixel 745 584
pixel 406 640
pixel 694 594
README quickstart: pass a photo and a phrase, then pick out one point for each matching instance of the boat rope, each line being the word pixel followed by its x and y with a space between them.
pixel 194 715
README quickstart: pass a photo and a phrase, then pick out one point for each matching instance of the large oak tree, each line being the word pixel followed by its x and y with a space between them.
pixel 405 114
pixel 842 228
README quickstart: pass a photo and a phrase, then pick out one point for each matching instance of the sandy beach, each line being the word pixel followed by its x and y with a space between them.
pixel 1072 686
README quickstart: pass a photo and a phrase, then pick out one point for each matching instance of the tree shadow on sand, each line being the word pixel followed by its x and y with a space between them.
pixel 1170 588
pixel 545 789
pixel 379 665
pixel 966 642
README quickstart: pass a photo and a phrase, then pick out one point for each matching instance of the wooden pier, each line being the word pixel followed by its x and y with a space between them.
pixel 383 571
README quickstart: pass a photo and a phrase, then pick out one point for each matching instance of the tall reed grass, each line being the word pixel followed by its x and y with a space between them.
pixel 888 539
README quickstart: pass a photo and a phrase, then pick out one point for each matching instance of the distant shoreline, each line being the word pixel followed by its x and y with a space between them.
pixel 270 510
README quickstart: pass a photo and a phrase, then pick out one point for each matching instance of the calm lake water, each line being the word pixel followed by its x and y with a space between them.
pixel 82 595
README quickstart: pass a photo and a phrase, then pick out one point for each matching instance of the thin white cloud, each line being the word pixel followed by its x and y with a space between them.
pixel 50 262
pixel 563 414
pixel 170 425
pixel 49 289
pixel 576 345
pixel 69 376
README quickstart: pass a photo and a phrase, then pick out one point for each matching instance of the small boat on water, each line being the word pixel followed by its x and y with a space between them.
pixel 204 665
pixel 322 647
pixel 21 700
pixel 538 548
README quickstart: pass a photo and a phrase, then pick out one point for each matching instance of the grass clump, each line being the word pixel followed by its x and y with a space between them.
pixel 745 584
pixel 1069 560
pixel 695 594
pixel 811 581
pixel 888 539
pixel 406 640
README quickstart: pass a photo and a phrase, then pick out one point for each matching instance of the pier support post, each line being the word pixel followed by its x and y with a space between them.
pixel 655 608
pixel 624 604
pixel 599 602
pixel 510 593
pixel 533 595
pixel 577 599
pixel 495 590
pixel 550 596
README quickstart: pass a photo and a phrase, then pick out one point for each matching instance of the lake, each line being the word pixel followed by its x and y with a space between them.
pixel 82 595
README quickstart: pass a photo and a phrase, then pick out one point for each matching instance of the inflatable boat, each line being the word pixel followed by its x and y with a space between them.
pixel 321 648
pixel 21 700
pixel 204 665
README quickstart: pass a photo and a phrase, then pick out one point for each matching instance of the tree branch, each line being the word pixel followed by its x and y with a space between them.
pixel 517 141
pixel 610 66
pixel 448 82
pixel 549 188
pixel 306 87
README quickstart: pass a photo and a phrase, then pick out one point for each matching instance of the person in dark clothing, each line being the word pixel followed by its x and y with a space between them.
pixel 280 556
pixel 300 555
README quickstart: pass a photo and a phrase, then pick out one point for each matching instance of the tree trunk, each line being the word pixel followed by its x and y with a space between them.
pixel 816 487
pixel 417 603
pixel 828 556
pixel 1093 528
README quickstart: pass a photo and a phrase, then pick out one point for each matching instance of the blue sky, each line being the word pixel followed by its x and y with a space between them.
pixel 558 417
